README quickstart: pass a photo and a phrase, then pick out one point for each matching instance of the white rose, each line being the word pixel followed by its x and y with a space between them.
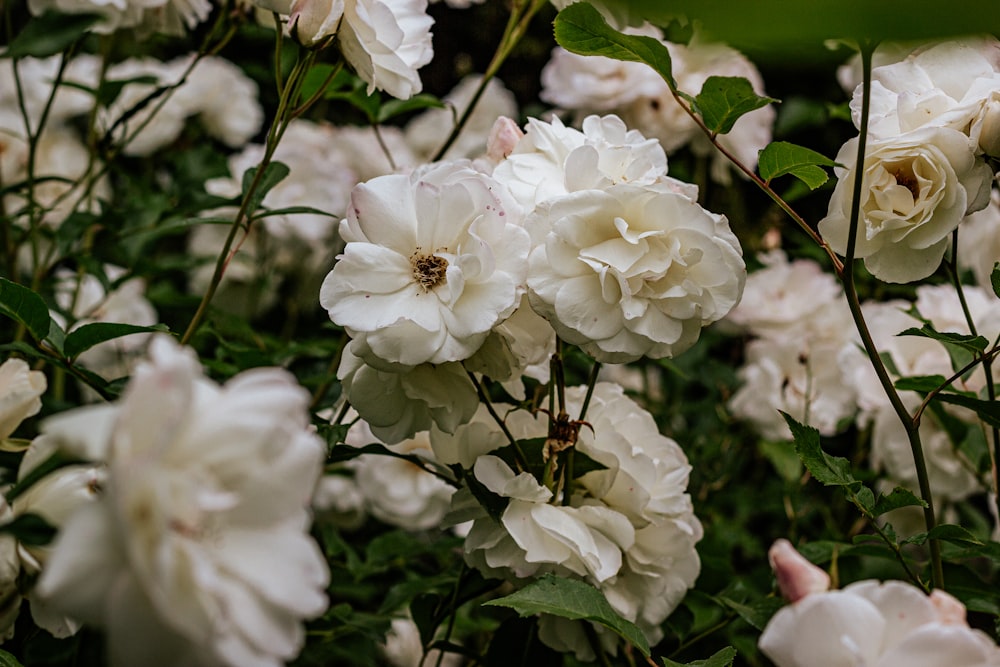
pixel 979 243
pixel 632 271
pixel 386 42
pixel 877 624
pixel 20 392
pixel 917 187
pixel 433 262
pixel 205 508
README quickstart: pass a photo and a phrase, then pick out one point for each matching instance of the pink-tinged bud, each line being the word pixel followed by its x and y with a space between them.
pixel 796 576
pixel 504 136
pixel 949 610
pixel 312 21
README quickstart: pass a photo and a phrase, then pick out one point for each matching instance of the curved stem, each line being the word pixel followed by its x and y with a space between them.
pixel 522 460
pixel 911 426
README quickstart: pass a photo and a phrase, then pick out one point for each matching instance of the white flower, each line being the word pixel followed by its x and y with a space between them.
pixel 20 392
pixel 198 544
pixel 951 84
pixel 37 76
pixel 216 91
pixel 632 271
pixel 916 189
pixel 427 132
pixel 385 41
pixel 433 262
pixel 171 17
pixel 552 160
pixel 399 401
pixel 87 301
pixel 873 624
pixel 803 379
pixel 361 150
pixel 979 242
pixel 598 84
pixel 398 492
pixel 783 299
pixel 403 648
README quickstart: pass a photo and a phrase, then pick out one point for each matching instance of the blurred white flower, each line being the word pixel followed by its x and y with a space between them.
pixel 803 379
pixel 198 544
pixel 85 298
pixel 403 648
pixel 979 241
pixel 398 492
pixel 427 132
pixel 399 401
pixel 37 76
pixel 784 298
pixel 916 189
pixel 20 394
pixel 874 624
pixel 360 149
pixel 433 262
pixel 632 271
pixel 216 91
pixel 171 17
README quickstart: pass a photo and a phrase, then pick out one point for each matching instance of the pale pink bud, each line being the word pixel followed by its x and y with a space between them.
pixel 312 21
pixel 504 136
pixel 949 610
pixel 796 576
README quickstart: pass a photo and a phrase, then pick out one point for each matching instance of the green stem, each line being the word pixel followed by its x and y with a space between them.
pixel 911 427
pixel 517 24
pixel 522 460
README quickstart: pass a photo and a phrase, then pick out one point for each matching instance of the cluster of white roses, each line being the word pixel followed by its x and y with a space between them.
pixel 627 528
pixel 866 623
pixel 935 117
pixel 805 362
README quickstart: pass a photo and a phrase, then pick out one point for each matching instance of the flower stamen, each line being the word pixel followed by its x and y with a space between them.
pixel 428 270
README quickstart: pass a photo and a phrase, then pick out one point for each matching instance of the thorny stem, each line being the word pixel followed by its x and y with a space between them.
pixel 517 24
pixel 850 289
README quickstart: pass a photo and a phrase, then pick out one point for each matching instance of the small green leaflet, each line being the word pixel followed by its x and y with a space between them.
pixel 723 658
pixel 24 306
pixel 581 29
pixel 995 279
pixel 82 339
pixel 8 660
pixel 724 99
pixel 49 34
pixel 828 470
pixel 572 599
pixel 780 158
pixel 273 174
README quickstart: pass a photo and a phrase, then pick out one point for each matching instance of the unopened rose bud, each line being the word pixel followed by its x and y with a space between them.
pixel 796 576
pixel 504 136
pixel 312 21
pixel 989 134
pixel 949 610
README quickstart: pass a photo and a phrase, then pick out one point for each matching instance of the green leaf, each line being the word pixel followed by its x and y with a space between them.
pixel 56 336
pixel 780 157
pixel 921 383
pixel 898 497
pixel 26 307
pixel 968 342
pixel 30 530
pixel 828 470
pixel 8 660
pixel 273 174
pixel 722 658
pixel 580 29
pixel 87 336
pixel 995 279
pixel 575 600
pixel 988 411
pixel 49 34
pixel 724 99
pixel 946 532
pixel 394 107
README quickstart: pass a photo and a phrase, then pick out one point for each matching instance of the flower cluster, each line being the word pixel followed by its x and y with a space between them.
pixel 934 120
